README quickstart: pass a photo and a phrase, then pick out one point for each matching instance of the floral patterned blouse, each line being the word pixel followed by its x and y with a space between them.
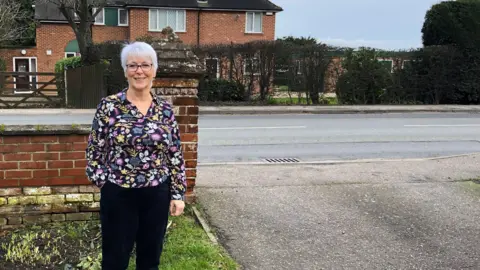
pixel 134 150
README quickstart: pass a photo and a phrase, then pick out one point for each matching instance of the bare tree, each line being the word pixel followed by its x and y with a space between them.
pixel 80 15
pixel 10 13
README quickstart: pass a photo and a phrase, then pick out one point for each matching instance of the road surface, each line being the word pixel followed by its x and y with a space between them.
pixel 378 215
pixel 310 138
pixel 336 137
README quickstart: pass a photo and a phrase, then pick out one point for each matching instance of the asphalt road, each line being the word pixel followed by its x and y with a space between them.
pixel 252 138
pixel 378 215
pixel 336 136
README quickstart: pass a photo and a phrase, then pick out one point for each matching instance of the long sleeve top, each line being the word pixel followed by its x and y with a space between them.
pixel 134 150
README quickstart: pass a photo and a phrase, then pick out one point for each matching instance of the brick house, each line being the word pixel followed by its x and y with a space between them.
pixel 194 21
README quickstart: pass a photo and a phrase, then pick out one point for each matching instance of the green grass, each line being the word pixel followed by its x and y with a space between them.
pixel 48 246
pixel 188 247
pixel 472 185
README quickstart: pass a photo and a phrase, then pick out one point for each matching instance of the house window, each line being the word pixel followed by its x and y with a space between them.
pixel 252 66
pixel 254 22
pixel 72 54
pixel 298 66
pixel 387 64
pixel 161 18
pixel 100 18
pixel 406 64
pixel 122 17
pixel 25 82
pixel 212 68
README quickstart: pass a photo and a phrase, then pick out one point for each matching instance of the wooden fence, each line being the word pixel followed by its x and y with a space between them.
pixel 31 89
pixel 85 86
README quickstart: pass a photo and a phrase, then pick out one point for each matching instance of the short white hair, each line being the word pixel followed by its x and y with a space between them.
pixel 141 49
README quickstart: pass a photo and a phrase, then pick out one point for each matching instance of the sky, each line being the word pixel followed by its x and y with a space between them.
pixel 383 24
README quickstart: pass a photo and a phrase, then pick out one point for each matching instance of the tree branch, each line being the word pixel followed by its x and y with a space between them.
pixel 10 13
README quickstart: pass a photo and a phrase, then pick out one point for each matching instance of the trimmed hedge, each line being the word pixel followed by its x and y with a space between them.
pixel 114 77
pixel 365 79
pixel 434 75
pixel 452 22
pixel 66 63
pixel 3 65
pixel 221 90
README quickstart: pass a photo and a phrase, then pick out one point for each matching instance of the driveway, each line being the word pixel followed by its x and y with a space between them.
pixel 413 214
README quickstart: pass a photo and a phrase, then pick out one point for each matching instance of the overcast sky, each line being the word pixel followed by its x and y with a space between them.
pixel 386 24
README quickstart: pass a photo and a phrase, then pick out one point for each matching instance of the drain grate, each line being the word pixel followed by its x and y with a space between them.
pixel 282 160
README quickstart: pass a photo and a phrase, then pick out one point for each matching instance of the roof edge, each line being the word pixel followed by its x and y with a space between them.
pixel 204 8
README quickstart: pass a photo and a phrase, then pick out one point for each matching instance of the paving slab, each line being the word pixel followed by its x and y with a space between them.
pixel 375 215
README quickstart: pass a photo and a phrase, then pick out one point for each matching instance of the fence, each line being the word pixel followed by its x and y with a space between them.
pixel 85 86
pixel 31 89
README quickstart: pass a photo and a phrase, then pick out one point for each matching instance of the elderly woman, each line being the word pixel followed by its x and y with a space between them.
pixel 134 155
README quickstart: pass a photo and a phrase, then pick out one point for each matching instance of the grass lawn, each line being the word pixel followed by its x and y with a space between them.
pixel 76 245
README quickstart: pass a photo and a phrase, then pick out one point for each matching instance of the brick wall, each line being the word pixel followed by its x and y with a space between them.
pixel 42 169
pixel 182 93
pixel 8 54
pixel 226 27
pixel 54 37
pixel 215 27
pixel 334 71
pixel 138 20
pixel 102 33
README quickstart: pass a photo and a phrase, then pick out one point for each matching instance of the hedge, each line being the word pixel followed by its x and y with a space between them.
pixel 452 23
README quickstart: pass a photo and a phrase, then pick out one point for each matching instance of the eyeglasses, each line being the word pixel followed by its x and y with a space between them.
pixel 134 67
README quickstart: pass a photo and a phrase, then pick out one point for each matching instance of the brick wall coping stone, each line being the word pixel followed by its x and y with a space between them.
pixel 15 130
pixel 176 59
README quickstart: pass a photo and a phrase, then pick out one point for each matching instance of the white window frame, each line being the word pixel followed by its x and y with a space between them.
pixel 403 62
pixel 74 54
pixel 387 60
pixel 121 24
pixel 253 22
pixel 298 63
pixel 103 16
pixel 30 70
pixel 151 29
pixel 218 64
pixel 245 66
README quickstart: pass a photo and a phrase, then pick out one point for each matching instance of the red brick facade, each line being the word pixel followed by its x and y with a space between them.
pixel 215 27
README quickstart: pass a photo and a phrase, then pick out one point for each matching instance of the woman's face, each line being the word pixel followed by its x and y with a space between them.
pixel 140 72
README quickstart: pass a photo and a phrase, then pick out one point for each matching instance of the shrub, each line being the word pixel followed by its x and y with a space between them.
pixel 66 63
pixel 364 80
pixel 3 65
pixel 61 66
pixel 114 77
pixel 452 22
pixel 221 90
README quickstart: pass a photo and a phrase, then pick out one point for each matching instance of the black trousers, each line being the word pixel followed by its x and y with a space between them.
pixel 133 215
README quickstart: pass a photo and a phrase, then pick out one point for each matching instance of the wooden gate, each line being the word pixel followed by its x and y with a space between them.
pixel 31 89
pixel 85 86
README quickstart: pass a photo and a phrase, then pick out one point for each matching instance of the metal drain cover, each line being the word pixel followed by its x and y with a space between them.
pixel 282 160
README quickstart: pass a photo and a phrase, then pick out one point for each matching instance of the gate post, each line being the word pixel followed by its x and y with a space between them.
pixel 177 79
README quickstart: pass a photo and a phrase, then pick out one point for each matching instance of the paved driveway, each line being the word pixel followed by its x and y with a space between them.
pixel 392 215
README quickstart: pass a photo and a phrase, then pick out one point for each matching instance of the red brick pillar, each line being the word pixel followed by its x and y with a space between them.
pixel 177 80
pixel 182 93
